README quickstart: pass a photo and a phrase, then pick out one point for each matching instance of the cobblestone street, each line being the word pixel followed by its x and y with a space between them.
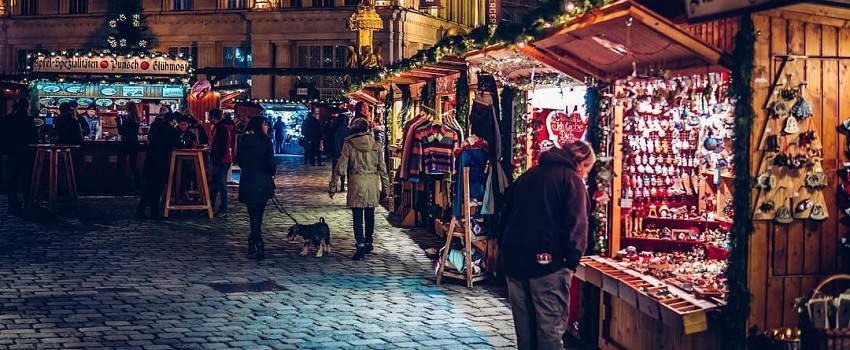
pixel 94 277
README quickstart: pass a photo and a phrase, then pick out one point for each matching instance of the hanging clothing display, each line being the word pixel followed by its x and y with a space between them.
pixel 474 154
pixel 433 149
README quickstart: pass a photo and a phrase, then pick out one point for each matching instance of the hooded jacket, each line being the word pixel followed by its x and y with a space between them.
pixel 361 160
pixel 221 150
pixel 255 157
pixel 544 218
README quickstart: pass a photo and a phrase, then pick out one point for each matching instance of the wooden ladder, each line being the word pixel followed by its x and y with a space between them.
pixel 462 230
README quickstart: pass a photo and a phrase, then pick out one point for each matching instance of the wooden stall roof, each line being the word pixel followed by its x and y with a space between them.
pixel 510 64
pixel 623 38
pixel 448 65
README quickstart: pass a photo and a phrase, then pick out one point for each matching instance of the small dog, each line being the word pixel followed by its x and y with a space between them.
pixel 318 235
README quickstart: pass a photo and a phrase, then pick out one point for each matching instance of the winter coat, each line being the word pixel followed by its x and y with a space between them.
pixel 19 131
pixel 311 128
pixel 129 131
pixel 279 130
pixel 255 157
pixel 161 141
pixel 67 130
pixel 221 150
pixel 338 133
pixel 361 160
pixel 186 139
pixel 546 213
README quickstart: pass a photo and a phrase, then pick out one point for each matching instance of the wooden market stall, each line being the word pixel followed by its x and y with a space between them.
pixel 809 43
pixel 665 90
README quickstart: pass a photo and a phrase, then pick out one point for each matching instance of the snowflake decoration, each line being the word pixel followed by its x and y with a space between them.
pixel 113 23
pixel 123 42
pixel 137 23
pixel 137 16
pixel 122 17
pixel 143 43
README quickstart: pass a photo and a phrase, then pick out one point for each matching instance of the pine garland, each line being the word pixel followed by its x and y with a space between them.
pixel 129 28
pixel 520 154
pixel 737 308
pixel 595 136
pixel 406 104
pixel 462 98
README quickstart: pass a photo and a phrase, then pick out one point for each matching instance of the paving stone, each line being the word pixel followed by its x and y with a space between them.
pixel 94 277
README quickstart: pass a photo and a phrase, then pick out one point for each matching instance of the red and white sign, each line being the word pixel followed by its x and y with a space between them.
pixel 554 127
pixel 110 65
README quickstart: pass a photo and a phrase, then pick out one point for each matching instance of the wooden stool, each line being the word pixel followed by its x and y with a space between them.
pixel 196 156
pixel 50 153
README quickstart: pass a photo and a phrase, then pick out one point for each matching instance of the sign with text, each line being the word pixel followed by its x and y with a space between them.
pixel 110 65
pixel 493 10
pixel 429 3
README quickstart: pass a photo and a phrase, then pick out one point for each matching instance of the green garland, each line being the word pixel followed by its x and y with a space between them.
pixel 534 26
pixel 737 308
pixel 428 94
pixel 462 98
pixel 406 104
pixel 388 115
pixel 596 136
pixel 520 124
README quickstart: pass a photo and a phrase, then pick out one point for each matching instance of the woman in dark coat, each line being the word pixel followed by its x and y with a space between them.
pixel 128 128
pixel 161 141
pixel 255 157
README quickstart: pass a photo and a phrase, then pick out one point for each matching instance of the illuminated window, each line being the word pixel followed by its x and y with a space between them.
pixel 177 50
pixel 324 56
pixel 182 5
pixel 78 6
pixel 237 57
pixel 29 7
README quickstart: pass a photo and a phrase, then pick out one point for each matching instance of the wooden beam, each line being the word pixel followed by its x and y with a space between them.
pixel 602 14
pixel 810 13
pixel 577 70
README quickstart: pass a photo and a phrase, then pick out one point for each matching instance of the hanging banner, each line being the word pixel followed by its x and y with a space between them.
pixel 493 12
pixel 110 65
pixel 429 3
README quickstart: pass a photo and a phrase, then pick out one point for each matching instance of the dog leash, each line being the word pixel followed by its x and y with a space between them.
pixel 281 209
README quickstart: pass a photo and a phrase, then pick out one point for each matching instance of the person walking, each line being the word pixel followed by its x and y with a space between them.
pixel 311 129
pixel 279 135
pixel 339 132
pixel 161 141
pixel 128 148
pixel 544 223
pixel 256 182
pixel 360 159
pixel 221 158
pixel 19 132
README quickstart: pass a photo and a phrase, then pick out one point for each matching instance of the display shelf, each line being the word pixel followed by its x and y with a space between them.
pixel 653 244
pixel 681 223
pixel 676 308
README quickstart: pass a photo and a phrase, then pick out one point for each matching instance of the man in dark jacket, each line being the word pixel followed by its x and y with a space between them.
pixel 161 141
pixel 279 129
pixel 544 235
pixel 311 129
pixel 339 131
pixel 221 157
pixel 20 132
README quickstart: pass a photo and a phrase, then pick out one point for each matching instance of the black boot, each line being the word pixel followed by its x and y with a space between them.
pixel 252 249
pixel 368 248
pixel 261 249
pixel 360 254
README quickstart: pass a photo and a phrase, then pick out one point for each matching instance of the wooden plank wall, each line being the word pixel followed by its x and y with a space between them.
pixel 720 33
pixel 787 261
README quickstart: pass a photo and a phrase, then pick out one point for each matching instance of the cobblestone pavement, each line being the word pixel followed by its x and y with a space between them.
pixel 94 278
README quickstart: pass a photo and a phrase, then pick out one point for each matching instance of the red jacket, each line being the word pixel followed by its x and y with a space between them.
pixel 221 150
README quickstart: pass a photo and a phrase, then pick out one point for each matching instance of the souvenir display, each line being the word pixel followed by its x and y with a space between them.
pixel 690 271
pixel 676 140
pixel 791 178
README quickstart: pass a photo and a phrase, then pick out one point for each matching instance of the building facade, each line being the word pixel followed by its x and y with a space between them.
pixel 236 33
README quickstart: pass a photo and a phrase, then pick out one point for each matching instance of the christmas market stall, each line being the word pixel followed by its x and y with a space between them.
pixel 663 123
pixel 101 84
